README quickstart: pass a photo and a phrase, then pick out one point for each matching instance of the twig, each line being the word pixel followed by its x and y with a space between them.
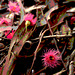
pixel 70 58
pixel 71 68
pixel 53 36
pixel 3 60
pixel 35 53
pixel 72 55
pixel 34 7
pixel 59 73
pixel 40 71
pixel 51 31
pixel 64 65
pixel 42 31
pixel 63 50
pixel 36 12
pixel 4 49
pixel 61 55
pixel 48 25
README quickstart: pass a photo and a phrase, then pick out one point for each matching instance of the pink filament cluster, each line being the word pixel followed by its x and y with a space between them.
pixel 13 7
pixel 30 17
pixel 50 58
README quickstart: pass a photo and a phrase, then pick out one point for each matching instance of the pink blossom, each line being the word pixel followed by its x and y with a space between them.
pixel 4 21
pixel 29 17
pixel 51 58
pixel 13 7
pixel 10 35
